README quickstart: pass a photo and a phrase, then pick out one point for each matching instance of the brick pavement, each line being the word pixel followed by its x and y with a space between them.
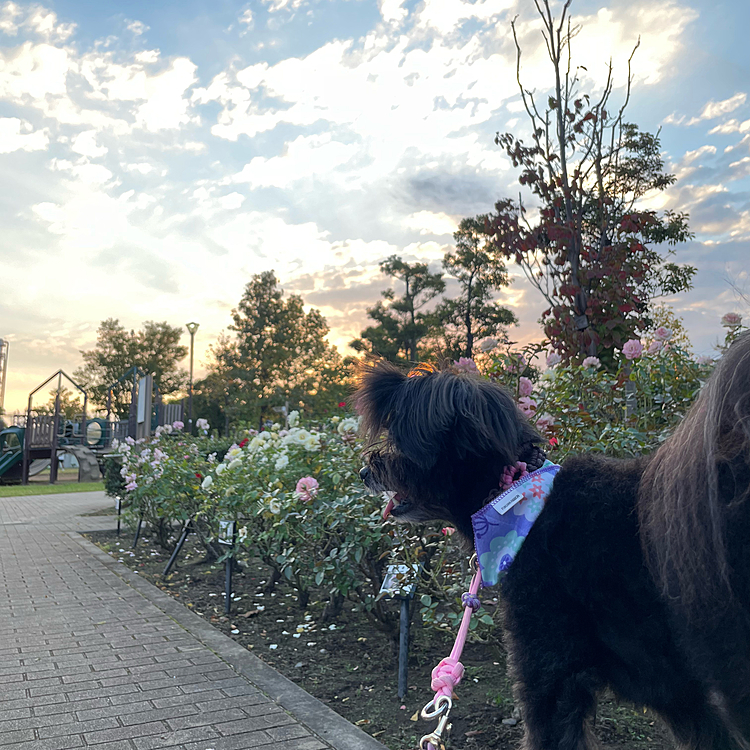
pixel 91 655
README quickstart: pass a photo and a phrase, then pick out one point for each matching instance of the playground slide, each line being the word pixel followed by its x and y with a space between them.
pixel 38 466
pixel 8 459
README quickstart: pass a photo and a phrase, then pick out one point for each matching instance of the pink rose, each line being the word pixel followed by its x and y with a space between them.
pixel 731 320
pixel 632 349
pixel 464 364
pixel 662 334
pixel 654 347
pixel 527 406
pixel 525 386
pixel 307 488
pixel 591 362
pixel 553 359
pixel 448 530
pixel 545 421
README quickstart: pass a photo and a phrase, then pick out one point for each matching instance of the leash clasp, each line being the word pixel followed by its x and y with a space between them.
pixel 440 706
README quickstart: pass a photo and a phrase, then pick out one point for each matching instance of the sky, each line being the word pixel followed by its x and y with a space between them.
pixel 154 156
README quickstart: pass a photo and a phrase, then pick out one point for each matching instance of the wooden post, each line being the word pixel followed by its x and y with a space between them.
pixel 53 435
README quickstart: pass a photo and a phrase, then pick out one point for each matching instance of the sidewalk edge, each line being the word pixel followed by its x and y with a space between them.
pixel 315 715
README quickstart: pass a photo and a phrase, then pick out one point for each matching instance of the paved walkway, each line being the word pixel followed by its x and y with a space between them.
pixel 93 655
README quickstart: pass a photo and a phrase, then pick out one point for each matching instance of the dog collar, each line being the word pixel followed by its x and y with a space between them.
pixel 501 526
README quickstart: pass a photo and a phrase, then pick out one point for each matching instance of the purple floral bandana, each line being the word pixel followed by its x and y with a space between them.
pixel 502 525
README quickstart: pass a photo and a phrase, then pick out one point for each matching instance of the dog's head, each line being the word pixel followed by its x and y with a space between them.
pixel 438 439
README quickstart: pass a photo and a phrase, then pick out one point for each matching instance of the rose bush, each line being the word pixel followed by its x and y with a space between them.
pixel 298 504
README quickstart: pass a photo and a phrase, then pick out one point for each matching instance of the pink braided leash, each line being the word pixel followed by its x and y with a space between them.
pixel 448 673
pixel 513 474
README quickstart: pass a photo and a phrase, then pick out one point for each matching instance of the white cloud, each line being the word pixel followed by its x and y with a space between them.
pixel 428 222
pixel 32 72
pixel 165 106
pixel 276 5
pixel 140 167
pixel 85 144
pixel 731 126
pixel 16 135
pixel 393 11
pixel 232 201
pixel 246 19
pixel 9 15
pixel 446 15
pixel 305 157
pixel 136 27
pixel 713 109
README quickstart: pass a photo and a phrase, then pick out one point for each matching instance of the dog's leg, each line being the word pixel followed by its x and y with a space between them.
pixel 698 723
pixel 555 683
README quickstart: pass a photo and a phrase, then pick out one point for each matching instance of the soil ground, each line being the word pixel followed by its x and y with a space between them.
pixel 353 668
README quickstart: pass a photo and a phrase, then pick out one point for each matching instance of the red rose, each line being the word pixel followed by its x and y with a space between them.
pixel 198 475
pixel 342 404
pixel 553 442
pixel 243 442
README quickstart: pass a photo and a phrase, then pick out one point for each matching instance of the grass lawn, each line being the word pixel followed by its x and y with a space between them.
pixel 37 488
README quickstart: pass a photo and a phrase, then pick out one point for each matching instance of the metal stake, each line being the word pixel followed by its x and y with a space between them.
pixel 177 548
pixel 137 531
pixel 403 648
pixel 228 586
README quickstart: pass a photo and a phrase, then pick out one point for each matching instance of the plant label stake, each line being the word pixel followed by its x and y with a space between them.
pixel 137 532
pixel 399 582
pixel 186 530
pixel 227 537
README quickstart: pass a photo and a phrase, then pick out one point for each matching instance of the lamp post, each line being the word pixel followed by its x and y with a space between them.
pixel 192 328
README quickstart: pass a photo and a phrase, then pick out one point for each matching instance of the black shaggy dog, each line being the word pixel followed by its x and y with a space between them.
pixel 635 576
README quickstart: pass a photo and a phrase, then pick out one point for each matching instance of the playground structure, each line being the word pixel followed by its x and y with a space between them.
pixel 36 441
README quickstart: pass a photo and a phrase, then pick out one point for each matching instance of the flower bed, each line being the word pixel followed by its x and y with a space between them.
pixel 306 527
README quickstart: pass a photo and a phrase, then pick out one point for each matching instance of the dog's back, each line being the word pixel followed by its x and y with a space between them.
pixel 694 510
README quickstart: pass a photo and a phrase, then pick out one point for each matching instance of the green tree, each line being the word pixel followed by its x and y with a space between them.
pixel 71 405
pixel 589 248
pixel 278 355
pixel 401 321
pixel 154 349
pixel 459 323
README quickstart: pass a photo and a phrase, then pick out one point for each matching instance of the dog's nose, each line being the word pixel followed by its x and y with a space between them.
pixel 364 472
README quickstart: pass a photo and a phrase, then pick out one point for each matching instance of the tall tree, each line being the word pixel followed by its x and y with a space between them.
pixel 154 349
pixel 459 323
pixel 278 354
pixel 589 249
pixel 401 321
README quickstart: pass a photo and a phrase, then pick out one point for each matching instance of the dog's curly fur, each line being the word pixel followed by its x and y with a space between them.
pixel 636 576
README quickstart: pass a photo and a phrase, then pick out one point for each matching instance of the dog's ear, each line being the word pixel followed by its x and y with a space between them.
pixel 490 422
pixel 379 385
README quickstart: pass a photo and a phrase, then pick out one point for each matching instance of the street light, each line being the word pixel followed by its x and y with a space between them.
pixel 192 328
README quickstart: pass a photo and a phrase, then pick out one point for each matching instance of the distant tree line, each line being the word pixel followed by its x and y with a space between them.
pixel 409 329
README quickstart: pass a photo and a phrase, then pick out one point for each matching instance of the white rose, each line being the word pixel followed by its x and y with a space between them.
pixel 207 482
pixel 281 462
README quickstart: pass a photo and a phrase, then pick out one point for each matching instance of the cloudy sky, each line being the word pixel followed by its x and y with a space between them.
pixel 156 155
